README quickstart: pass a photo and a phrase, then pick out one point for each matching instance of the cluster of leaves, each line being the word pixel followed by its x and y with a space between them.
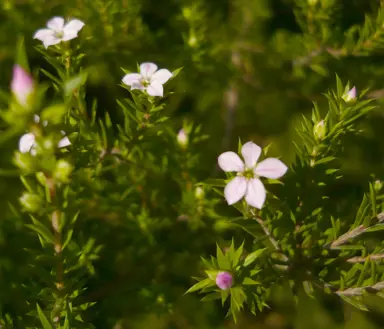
pixel 134 206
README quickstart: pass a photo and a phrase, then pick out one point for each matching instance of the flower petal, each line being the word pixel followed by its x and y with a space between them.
pixel 230 161
pixel 69 35
pixel 161 76
pixel 137 85
pixel 235 189
pixel 131 78
pixel 56 24
pixel 50 41
pixel 256 193
pixel 22 84
pixel 147 69
pixel 26 142
pixel 64 142
pixel 42 34
pixel 271 168
pixel 251 153
pixel 155 89
pixel 74 25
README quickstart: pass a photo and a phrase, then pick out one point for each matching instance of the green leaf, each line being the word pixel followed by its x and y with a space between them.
pixel 249 281
pixel 235 258
pixel 253 256
pixel 21 54
pixel 212 296
pixel 74 83
pixel 378 227
pixel 42 230
pixel 43 319
pixel 200 285
pixel 222 259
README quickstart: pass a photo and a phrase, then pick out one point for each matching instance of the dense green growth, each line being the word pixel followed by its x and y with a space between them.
pixel 113 230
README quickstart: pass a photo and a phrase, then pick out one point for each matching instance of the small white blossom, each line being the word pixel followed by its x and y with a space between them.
pixel 247 183
pixel 149 79
pixel 350 95
pixel 57 31
pixel 27 142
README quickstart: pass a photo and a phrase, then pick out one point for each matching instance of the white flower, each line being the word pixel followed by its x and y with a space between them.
pixel 149 79
pixel 57 31
pixel 247 182
pixel 350 95
pixel 27 142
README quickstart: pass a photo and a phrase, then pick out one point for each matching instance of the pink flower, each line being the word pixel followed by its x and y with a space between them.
pixel 22 84
pixel 247 183
pixel 224 280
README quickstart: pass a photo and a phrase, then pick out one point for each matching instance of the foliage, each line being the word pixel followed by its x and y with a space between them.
pixel 129 220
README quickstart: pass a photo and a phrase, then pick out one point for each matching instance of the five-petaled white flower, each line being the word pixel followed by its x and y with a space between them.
pixel 27 142
pixel 247 182
pixel 149 79
pixel 57 31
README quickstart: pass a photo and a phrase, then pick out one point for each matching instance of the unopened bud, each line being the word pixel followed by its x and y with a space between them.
pixel 22 85
pixel 224 280
pixel 31 202
pixel 199 193
pixel 320 130
pixel 24 161
pixel 182 138
pixel 378 185
pixel 350 96
pixel 62 171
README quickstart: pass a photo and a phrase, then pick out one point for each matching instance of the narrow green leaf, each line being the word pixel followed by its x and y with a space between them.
pixel 43 319
pixel 253 256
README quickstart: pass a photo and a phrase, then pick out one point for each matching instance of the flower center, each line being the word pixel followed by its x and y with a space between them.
pixel 248 174
pixel 145 82
pixel 59 34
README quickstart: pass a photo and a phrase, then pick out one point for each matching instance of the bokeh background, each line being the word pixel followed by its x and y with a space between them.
pixel 251 68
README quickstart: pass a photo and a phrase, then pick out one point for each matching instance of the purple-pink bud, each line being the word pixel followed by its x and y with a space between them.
pixel 22 84
pixel 224 280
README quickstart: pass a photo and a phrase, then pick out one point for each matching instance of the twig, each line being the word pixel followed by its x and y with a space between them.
pixel 363 259
pixel 270 237
pixel 55 222
pixel 359 291
pixel 348 236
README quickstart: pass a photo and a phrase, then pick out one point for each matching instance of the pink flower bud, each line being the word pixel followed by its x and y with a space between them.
pixel 182 138
pixel 224 280
pixel 22 84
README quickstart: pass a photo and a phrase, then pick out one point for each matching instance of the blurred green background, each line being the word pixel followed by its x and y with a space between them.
pixel 251 68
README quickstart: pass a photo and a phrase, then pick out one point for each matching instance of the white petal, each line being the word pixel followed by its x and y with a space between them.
pixel 73 25
pixel 161 76
pixel 147 69
pixel 50 41
pixel 26 142
pixel 56 24
pixel 130 78
pixel 69 35
pixel 230 161
pixel 251 153
pixel 155 89
pixel 42 34
pixel 36 118
pixel 64 142
pixel 271 168
pixel 256 193
pixel 137 85
pixel 235 189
